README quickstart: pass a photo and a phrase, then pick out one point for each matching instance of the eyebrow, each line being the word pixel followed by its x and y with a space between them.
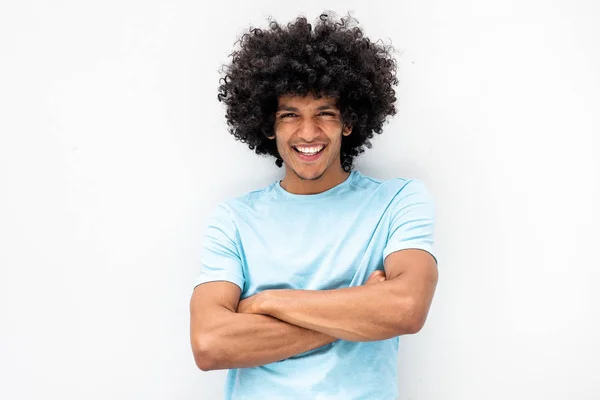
pixel 284 107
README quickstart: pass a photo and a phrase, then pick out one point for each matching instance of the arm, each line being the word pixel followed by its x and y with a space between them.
pixel 224 339
pixel 386 309
pixel 221 338
pixel 373 312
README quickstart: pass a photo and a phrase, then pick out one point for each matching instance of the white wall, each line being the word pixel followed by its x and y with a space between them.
pixel 113 148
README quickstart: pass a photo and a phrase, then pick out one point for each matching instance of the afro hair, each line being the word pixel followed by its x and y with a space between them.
pixel 332 58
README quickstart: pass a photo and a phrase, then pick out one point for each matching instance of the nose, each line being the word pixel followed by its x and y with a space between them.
pixel 309 130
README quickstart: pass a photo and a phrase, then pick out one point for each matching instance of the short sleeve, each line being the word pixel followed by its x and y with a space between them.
pixel 412 218
pixel 220 256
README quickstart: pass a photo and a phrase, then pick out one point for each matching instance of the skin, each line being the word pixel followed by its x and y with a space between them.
pixel 222 338
pixel 396 306
pixel 277 324
pixel 310 121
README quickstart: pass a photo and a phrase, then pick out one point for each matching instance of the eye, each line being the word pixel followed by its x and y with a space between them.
pixel 327 113
pixel 287 115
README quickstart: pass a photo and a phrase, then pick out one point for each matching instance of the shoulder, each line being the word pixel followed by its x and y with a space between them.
pixel 396 188
pixel 252 200
pixel 409 186
pixel 410 193
pixel 243 205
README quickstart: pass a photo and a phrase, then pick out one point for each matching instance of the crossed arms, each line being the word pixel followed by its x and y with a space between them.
pixel 277 324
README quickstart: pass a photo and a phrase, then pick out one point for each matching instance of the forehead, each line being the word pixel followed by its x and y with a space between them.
pixel 306 102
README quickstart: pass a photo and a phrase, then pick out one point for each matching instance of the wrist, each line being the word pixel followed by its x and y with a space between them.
pixel 262 303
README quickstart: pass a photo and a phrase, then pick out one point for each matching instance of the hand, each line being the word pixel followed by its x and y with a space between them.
pixel 376 277
pixel 250 305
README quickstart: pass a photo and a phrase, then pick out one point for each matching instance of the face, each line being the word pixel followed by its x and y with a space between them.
pixel 309 134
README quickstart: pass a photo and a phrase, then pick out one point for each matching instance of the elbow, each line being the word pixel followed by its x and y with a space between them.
pixel 414 326
pixel 203 362
pixel 412 320
pixel 400 328
pixel 416 322
pixel 205 354
pixel 204 365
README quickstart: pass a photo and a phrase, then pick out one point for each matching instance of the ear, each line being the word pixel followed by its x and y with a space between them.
pixel 271 137
pixel 347 130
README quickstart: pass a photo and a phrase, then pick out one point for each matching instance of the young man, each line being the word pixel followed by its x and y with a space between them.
pixel 305 285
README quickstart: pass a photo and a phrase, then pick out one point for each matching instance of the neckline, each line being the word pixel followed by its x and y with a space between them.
pixel 329 192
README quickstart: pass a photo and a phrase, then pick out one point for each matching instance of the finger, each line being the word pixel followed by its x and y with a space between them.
pixel 376 276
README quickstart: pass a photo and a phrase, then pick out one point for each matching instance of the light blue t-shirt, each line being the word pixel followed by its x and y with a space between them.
pixel 273 239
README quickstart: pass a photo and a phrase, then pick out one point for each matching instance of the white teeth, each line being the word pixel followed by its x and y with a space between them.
pixel 309 150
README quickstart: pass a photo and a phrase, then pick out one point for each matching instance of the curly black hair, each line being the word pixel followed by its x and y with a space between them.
pixel 332 58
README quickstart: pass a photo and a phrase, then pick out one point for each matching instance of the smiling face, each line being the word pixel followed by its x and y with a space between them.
pixel 309 134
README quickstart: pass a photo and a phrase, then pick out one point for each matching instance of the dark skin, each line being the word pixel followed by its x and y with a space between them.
pixel 277 324
pixel 306 121
pixel 222 338
pixel 397 306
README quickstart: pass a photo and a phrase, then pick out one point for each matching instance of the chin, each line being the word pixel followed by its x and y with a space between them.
pixel 309 175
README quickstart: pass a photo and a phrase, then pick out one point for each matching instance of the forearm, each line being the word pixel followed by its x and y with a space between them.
pixel 365 313
pixel 248 340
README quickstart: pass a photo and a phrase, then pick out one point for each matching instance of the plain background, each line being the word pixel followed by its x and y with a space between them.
pixel 113 149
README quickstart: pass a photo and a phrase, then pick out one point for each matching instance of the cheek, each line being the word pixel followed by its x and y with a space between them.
pixel 282 135
pixel 282 147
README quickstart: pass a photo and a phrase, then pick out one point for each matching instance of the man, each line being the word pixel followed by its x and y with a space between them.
pixel 305 285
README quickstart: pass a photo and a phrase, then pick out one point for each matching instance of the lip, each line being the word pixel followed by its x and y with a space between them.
pixel 306 158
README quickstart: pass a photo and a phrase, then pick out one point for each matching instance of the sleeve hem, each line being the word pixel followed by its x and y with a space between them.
pixel 227 278
pixel 409 246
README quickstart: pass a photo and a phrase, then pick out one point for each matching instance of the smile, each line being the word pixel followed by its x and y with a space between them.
pixel 309 153
pixel 309 150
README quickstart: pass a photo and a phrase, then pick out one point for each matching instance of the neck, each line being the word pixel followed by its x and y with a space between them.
pixel 295 184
